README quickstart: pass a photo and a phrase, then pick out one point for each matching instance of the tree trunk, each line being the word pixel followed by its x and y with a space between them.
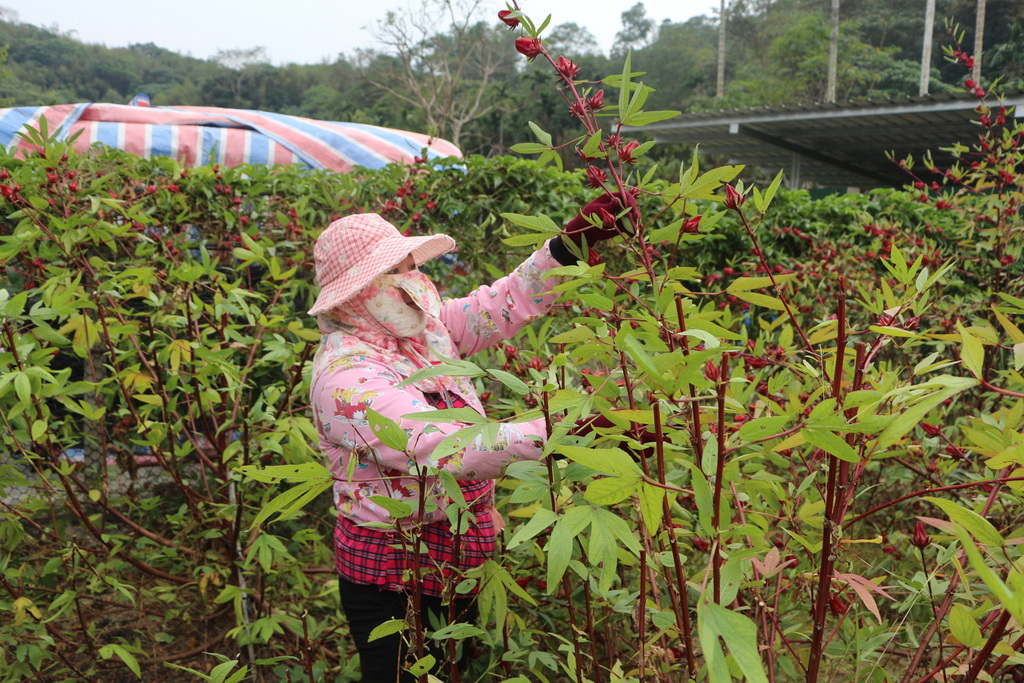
pixel 979 40
pixel 833 53
pixel 720 86
pixel 926 48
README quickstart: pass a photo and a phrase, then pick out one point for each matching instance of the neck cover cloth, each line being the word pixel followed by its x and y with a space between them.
pixel 393 333
pixel 388 305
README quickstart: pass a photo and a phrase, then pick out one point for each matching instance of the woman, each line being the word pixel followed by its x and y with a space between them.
pixel 381 320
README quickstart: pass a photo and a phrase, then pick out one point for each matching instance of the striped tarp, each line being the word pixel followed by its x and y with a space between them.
pixel 230 137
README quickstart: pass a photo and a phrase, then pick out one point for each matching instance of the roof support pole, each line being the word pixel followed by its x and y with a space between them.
pixel 979 40
pixel 926 49
pixel 794 172
pixel 720 84
pixel 833 53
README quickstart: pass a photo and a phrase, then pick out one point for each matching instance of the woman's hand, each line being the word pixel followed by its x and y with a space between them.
pixel 614 212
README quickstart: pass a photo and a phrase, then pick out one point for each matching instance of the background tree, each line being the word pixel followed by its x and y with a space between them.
pixel 446 75
pixel 637 30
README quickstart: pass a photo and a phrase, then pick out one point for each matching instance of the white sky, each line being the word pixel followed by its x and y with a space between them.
pixel 302 31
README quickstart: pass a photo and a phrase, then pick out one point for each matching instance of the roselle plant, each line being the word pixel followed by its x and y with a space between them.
pixel 809 466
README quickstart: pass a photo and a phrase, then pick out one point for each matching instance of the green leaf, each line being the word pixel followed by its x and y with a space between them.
pixel 972 352
pixel 457 632
pixel 446 416
pixel 276 473
pixel 539 223
pixel 964 627
pixel 610 490
pixel 542 519
pixel 762 427
pixel 396 508
pixel 910 417
pixel 614 461
pixel 979 527
pixel 740 635
pixel 651 506
pixel 292 500
pixel 624 85
pixel 602 555
pixel 643 118
pixel 510 381
pixel 387 628
pixel 540 133
pixel 111 649
pixel 830 443
pixel 529 148
pixel 561 542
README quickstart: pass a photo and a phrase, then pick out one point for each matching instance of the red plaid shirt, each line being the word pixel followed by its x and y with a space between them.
pixel 383 558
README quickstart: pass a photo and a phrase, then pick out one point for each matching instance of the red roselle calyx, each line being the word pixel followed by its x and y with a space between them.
pixel 692 224
pixel 712 371
pixel 512 22
pixel 733 199
pixel 596 177
pixel 920 537
pixel 530 47
pixel 566 69
pixel 930 429
pixel 596 101
pixel 626 152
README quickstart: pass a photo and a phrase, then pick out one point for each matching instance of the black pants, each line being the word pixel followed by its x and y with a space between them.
pixel 383 660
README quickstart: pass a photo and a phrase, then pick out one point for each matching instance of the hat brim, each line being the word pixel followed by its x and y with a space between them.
pixel 388 254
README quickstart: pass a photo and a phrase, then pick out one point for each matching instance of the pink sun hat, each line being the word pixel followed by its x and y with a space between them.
pixel 352 251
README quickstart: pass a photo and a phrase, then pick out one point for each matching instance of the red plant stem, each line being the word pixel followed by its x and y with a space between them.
pixel 677 592
pixel 695 434
pixel 307 651
pixel 716 500
pixel 1007 392
pixel 925 492
pixel 979 661
pixel 832 523
pixel 566 584
pixel 641 612
pixel 596 670
pixel 778 290
pixel 1016 647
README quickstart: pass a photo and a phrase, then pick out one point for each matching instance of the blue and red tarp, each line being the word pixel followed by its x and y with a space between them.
pixel 230 137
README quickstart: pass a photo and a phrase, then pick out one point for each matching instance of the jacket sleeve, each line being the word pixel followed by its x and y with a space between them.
pixel 341 398
pixel 494 313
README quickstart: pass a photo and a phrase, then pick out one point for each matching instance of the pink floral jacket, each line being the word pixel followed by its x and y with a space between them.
pixel 347 380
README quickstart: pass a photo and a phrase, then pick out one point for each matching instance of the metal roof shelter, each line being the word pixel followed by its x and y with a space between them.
pixel 835 145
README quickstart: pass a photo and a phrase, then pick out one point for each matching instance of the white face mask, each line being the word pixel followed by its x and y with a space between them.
pixel 388 307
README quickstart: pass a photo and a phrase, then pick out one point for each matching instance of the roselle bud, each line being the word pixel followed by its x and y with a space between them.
pixel 970 83
pixel 529 47
pixel 566 69
pixel 692 224
pixel 700 544
pixel 712 371
pixel 536 363
pixel 595 177
pixel 607 219
pixel 837 606
pixel 626 152
pixel 511 351
pixel 596 101
pixel 511 22
pixel 930 429
pixel 920 537
pixel 733 199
